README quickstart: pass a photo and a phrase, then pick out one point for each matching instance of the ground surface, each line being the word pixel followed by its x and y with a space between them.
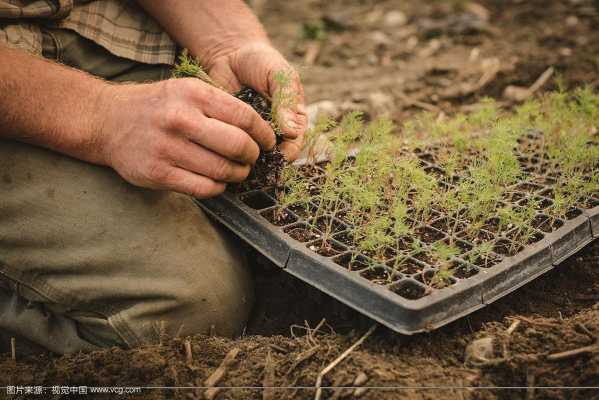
pixel 440 59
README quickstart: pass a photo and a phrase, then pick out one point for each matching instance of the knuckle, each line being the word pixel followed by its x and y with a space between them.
pixel 188 85
pixel 222 170
pixel 207 189
pixel 159 173
pixel 241 146
pixel 175 117
pixel 244 116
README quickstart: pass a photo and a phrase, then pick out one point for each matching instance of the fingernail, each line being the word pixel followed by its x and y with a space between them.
pixel 301 109
pixel 291 124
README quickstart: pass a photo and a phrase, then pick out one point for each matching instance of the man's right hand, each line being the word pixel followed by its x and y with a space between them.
pixel 182 135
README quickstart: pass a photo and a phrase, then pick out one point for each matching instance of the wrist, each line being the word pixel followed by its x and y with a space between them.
pixel 95 143
pixel 226 47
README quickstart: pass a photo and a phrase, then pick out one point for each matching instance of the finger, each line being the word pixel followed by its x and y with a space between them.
pixel 263 68
pixel 291 148
pixel 293 123
pixel 223 75
pixel 183 181
pixel 289 110
pixel 227 140
pixel 220 105
pixel 194 158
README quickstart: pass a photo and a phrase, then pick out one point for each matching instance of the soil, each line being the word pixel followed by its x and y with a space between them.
pixel 279 217
pixel 269 166
pixel 302 233
pixel 432 60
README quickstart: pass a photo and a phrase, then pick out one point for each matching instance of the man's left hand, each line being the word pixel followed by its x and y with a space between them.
pixel 257 65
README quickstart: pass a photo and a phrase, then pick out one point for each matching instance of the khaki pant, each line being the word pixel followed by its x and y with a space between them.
pixel 88 261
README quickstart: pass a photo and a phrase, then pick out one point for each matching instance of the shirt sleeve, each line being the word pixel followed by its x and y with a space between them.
pixel 28 9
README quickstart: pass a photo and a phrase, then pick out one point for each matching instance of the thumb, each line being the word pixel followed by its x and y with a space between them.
pixel 263 68
pixel 223 75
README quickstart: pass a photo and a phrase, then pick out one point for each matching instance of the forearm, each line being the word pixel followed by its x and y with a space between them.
pixel 208 28
pixel 49 105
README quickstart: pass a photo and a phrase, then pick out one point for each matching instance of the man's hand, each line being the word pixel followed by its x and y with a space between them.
pixel 230 42
pixel 257 64
pixel 182 135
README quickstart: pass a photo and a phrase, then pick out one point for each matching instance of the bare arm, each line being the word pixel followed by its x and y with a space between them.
pixel 208 28
pixel 231 43
pixel 48 105
pixel 181 135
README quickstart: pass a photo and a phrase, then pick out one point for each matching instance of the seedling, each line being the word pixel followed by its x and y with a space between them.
pixel 460 197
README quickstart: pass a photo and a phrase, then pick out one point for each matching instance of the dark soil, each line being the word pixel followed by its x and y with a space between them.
pixel 402 68
pixel 302 233
pixel 352 262
pixel 257 101
pixel 279 217
pixel 268 167
pixel 267 170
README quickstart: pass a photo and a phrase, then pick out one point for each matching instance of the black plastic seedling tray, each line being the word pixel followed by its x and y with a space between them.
pixel 404 301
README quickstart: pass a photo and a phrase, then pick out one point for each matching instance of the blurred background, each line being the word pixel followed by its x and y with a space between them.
pixel 397 57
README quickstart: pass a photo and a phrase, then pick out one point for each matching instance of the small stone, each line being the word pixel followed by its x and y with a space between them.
pixel 479 10
pixel 565 52
pixel 361 379
pixel 353 62
pixel 572 20
pixel 480 351
pixel 380 38
pixel 372 59
pixel 394 19
pixel 411 43
pixel 320 108
pixel 516 93
pixel 380 101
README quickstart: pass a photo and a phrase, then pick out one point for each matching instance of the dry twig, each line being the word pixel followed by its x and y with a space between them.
pixel 189 355
pixel 519 93
pixel 573 353
pixel 219 373
pixel 13 349
pixel 268 382
pixel 513 326
pixel 302 357
pixel 336 361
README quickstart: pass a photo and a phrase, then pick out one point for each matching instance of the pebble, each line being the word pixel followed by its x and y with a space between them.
pixel 394 19
pixel 479 10
pixel 565 52
pixel 380 38
pixel 380 101
pixel 480 350
pixel 572 20
pixel 319 108
pixel 361 379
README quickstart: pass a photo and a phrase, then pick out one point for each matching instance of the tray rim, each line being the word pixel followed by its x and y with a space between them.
pixel 420 315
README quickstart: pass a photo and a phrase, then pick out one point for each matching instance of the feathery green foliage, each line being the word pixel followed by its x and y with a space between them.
pixel 477 182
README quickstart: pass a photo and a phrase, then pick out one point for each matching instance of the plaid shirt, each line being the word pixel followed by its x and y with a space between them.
pixel 121 27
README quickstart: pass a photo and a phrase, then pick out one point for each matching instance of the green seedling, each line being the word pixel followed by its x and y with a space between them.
pixel 385 192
